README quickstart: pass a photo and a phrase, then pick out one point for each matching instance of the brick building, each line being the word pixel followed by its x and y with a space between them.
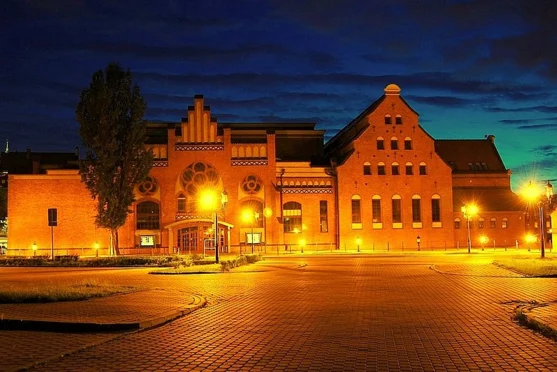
pixel 381 183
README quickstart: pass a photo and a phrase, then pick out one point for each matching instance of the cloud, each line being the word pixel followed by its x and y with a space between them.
pixel 441 101
pixel 545 109
pixel 538 126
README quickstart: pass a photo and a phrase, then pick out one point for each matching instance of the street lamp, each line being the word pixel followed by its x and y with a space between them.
pixel 483 241
pixel 250 217
pixel 34 249
pixel 469 211
pixel 358 242
pixel 208 201
pixel 534 194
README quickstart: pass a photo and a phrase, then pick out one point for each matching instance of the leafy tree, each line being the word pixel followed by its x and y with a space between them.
pixel 110 115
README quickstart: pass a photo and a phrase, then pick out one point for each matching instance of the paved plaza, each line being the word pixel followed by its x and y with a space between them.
pixel 412 312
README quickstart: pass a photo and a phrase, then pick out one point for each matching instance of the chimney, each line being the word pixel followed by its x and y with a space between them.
pixel 490 137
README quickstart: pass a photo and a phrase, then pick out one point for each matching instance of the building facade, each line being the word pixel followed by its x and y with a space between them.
pixel 381 183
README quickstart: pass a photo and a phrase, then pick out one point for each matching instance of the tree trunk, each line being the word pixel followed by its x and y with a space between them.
pixel 114 248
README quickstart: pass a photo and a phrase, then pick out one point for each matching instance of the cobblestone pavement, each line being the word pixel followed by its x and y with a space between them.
pixel 321 314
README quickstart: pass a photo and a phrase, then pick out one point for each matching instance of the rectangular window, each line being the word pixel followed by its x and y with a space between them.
pixel 408 144
pixel 398 120
pixel 356 212
pixel 394 144
pixel 397 211
pixel 381 170
pixel 481 223
pixel 376 210
pixel 423 171
pixel 367 169
pixel 394 170
pixel 435 210
pixel 457 224
pixel 323 220
pixel 416 210
pixel 493 223
pixel 409 170
pixel 388 119
pixel 380 144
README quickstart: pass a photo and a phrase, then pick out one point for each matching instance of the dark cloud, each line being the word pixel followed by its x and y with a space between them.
pixel 441 101
pixel 525 121
pixel 545 109
pixel 538 126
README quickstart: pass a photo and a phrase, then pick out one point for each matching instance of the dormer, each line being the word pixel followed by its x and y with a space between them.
pixel 199 126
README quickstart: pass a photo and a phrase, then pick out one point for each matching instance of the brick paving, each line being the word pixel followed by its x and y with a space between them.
pixel 320 314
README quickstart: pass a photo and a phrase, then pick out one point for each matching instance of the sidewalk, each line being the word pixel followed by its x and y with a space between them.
pixel 125 312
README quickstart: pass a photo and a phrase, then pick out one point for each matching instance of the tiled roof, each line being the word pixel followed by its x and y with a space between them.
pixel 470 156
pixel 487 199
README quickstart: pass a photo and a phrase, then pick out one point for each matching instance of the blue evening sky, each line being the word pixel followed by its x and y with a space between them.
pixel 470 68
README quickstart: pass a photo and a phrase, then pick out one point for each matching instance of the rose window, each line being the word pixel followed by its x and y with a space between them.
pixel 251 184
pixel 148 187
pixel 198 175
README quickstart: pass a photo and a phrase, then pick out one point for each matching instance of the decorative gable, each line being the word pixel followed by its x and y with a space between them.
pixel 199 126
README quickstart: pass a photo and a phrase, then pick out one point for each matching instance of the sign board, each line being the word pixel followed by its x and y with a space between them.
pixel 253 238
pixel 147 240
pixel 52 217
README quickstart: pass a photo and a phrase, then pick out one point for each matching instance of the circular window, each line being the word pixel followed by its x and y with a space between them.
pixel 148 186
pixel 198 175
pixel 251 184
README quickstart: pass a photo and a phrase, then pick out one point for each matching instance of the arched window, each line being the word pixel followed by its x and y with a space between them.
pixel 148 216
pixel 381 168
pixel 181 203
pixel 380 143
pixel 394 169
pixel 388 119
pixel 367 168
pixel 396 209
pixel 356 209
pixel 252 213
pixel 409 169
pixel 376 209
pixel 394 143
pixel 436 208
pixel 234 152
pixel 423 169
pixel 457 223
pixel 481 223
pixel 292 215
pixel 408 143
pixel 416 208
pixel 504 223
pixel 493 223
pixel 398 119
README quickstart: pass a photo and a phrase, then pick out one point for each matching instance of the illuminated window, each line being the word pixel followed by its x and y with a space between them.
pixel 505 223
pixel 457 223
pixel 416 209
pixel 181 203
pixel 436 208
pixel 292 215
pixel 376 209
pixel 408 143
pixel 396 209
pixel 394 169
pixel 147 216
pixel 394 143
pixel 481 223
pixel 380 143
pixel 398 120
pixel 367 169
pixel 423 169
pixel 409 169
pixel 323 219
pixel 381 169
pixel 388 119
pixel 492 223
pixel 356 209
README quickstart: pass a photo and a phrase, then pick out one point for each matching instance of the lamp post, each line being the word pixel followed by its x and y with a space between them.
pixel 358 242
pixel 468 211
pixel 534 194
pixel 208 201
pixel 34 249
pixel 267 212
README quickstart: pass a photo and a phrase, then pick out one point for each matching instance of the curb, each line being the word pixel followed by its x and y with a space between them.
pixel 89 327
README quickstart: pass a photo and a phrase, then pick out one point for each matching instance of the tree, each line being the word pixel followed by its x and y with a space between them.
pixel 110 114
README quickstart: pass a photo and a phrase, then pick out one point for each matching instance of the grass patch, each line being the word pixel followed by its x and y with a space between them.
pixel 532 266
pixel 226 264
pixel 55 292
pixel 525 321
